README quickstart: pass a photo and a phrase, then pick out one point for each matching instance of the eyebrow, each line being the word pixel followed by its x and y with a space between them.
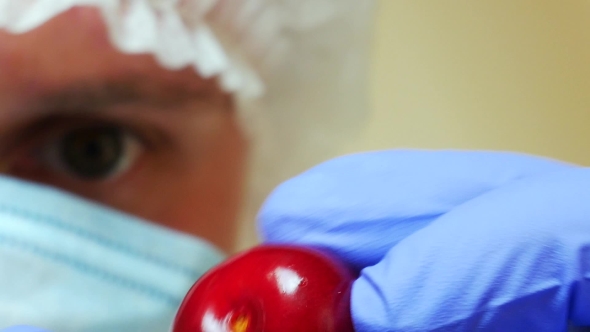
pixel 100 94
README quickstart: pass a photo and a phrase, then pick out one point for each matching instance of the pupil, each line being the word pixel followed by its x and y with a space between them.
pixel 93 149
pixel 92 153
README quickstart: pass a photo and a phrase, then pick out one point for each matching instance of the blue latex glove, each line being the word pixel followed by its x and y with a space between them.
pixel 447 240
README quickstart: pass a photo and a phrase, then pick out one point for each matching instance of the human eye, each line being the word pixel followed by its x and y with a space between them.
pixel 93 153
pixel 76 151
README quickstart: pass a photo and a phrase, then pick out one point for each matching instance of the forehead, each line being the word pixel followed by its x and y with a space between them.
pixel 73 47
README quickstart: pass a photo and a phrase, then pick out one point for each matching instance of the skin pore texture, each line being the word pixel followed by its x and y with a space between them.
pixel 184 159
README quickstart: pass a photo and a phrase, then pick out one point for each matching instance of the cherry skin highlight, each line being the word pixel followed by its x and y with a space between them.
pixel 270 289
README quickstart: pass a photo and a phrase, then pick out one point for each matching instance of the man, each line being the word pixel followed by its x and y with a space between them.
pixel 101 104
pixel 133 134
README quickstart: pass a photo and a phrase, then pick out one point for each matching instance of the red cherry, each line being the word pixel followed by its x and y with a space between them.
pixel 270 289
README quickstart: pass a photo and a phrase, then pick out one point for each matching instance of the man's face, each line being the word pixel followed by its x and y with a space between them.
pixel 77 114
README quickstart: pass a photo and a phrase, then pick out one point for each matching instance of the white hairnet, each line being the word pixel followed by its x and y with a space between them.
pixel 298 68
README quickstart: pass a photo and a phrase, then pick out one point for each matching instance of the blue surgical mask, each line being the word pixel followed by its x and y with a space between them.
pixel 69 265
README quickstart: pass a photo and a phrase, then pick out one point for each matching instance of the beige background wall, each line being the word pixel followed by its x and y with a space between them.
pixel 493 74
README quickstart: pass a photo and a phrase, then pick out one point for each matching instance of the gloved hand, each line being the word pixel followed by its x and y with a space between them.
pixel 447 240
